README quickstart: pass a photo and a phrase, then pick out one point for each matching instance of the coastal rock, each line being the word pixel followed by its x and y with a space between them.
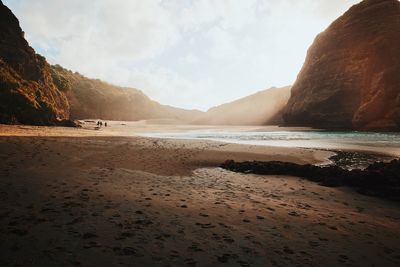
pixel 27 92
pixel 378 179
pixel 351 76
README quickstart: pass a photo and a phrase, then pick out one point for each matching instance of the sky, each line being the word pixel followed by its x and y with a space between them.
pixel 192 54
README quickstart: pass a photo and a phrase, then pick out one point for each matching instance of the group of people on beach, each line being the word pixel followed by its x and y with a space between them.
pixel 100 123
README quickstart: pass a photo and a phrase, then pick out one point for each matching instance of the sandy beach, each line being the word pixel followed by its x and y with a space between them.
pixel 84 197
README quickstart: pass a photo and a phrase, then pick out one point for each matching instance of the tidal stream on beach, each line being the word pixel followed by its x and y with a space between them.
pixel 353 150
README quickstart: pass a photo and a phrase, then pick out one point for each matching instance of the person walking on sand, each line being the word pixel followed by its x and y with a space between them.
pixel 105 124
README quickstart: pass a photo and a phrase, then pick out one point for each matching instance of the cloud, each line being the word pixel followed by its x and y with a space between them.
pixel 102 32
pixel 222 43
pixel 229 13
pixel 190 59
pixel 162 83
pixel 195 53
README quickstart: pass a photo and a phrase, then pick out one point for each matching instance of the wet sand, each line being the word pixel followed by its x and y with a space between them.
pixel 80 197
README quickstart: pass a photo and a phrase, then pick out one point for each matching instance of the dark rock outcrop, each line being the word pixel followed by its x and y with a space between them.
pixel 379 179
pixel 27 92
pixel 262 108
pixel 351 76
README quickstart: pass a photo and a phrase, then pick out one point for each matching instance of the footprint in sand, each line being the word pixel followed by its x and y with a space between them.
pixel 89 235
pixel 294 213
pixel 125 251
pixel 228 239
pixel 287 250
pixel 173 254
pixel 190 261
pixel 205 225
pixel 243 263
pixel 226 257
pixel 194 247
pixel 342 258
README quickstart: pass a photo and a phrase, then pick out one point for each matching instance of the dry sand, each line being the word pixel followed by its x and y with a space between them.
pixel 110 198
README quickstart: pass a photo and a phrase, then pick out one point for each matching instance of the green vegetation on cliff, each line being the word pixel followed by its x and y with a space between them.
pixel 93 98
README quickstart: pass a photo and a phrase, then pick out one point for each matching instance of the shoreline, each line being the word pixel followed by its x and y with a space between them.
pixel 344 156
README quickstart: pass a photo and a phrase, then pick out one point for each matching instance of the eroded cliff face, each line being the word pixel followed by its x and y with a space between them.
pixel 351 76
pixel 27 92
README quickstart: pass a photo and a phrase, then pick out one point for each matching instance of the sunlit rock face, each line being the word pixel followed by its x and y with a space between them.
pixel 351 76
pixel 93 98
pixel 27 92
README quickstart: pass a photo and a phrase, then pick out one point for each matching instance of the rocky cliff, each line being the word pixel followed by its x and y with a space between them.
pixel 264 107
pixel 27 92
pixel 33 92
pixel 351 76
pixel 93 98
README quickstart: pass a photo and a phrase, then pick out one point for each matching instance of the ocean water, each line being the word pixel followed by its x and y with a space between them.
pixel 366 147
pixel 289 138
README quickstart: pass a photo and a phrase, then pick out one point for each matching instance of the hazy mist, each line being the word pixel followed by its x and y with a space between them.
pixel 192 54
